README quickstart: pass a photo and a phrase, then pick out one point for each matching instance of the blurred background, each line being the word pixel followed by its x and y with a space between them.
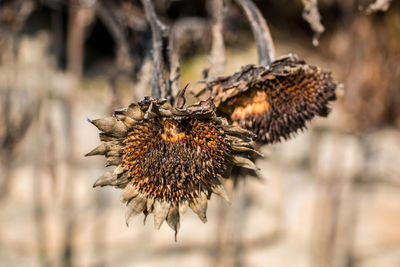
pixel 329 197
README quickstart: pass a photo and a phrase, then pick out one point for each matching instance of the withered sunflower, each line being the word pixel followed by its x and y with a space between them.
pixel 168 158
pixel 273 101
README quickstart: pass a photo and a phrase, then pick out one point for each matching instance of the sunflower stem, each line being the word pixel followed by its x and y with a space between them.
pixel 262 35
pixel 158 29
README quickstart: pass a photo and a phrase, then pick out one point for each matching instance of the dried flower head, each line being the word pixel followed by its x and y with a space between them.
pixel 168 158
pixel 273 102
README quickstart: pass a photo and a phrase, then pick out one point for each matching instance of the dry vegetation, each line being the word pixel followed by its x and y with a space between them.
pixel 328 197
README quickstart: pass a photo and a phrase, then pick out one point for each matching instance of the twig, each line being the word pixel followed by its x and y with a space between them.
pixel 312 16
pixel 216 68
pixel 185 32
pixel 262 35
pixel 174 66
pixel 218 59
pixel 108 19
pixel 158 31
pixel 144 74
pixel 75 39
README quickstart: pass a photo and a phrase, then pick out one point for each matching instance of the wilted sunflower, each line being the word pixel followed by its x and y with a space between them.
pixel 168 158
pixel 273 101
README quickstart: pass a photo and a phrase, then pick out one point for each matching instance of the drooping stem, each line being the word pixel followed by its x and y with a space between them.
pixel 158 30
pixel 262 35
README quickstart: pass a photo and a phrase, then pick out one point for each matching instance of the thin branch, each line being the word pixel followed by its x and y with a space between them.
pixel 217 59
pixel 140 86
pixel 116 30
pixel 312 16
pixel 158 31
pixel 185 32
pixel 174 65
pixel 108 19
pixel 262 35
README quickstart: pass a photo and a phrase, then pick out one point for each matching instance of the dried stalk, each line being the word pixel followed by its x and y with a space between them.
pixel 79 18
pixel 174 67
pixel 216 68
pixel 217 58
pixel 115 29
pixel 159 86
pixel 312 16
pixel 262 35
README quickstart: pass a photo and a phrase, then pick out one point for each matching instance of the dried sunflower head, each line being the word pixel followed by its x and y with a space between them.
pixel 273 102
pixel 168 158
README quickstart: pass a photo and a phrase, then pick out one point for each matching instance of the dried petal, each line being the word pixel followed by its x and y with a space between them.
pixel 130 191
pixel 128 121
pixel 160 210
pixel 134 112
pixel 173 219
pixel 113 161
pixel 197 205
pixel 100 150
pixel 118 170
pixel 135 206
pixel 220 191
pixel 183 205
pixel 106 179
pixel 244 162
pixel 111 126
pixel 150 202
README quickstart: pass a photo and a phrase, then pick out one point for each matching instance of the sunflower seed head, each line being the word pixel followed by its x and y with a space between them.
pixel 273 102
pixel 168 159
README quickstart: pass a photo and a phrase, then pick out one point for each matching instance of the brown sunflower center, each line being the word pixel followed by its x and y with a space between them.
pixel 254 104
pixel 275 107
pixel 171 131
pixel 174 160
